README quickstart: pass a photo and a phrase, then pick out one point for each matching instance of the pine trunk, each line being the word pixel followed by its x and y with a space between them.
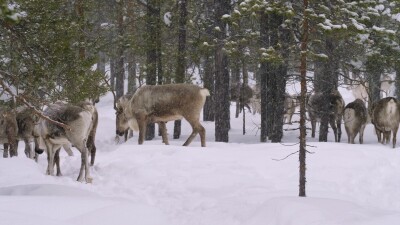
pixel 208 110
pixel 208 79
pixel 263 77
pixel 120 71
pixel 303 92
pixel 222 112
pixel 181 59
pixel 151 58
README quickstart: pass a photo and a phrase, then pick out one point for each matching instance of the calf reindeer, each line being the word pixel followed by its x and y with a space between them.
pixel 79 120
pixel 8 132
pixel 355 118
pixel 335 111
pixel 163 103
pixel 385 117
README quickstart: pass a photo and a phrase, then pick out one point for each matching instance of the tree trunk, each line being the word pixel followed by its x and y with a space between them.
pixel 120 70
pixel 264 43
pixel 303 92
pixel 112 73
pixel 208 110
pixel 101 63
pixel 325 82
pixel 374 70
pixel 277 85
pixel 131 57
pixel 222 112
pixel 397 79
pixel 208 79
pixel 131 72
pixel 151 54
pixel 181 59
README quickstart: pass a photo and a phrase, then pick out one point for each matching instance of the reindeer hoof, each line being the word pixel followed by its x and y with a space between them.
pixel 89 180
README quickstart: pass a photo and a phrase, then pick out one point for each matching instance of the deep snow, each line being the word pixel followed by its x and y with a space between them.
pixel 240 182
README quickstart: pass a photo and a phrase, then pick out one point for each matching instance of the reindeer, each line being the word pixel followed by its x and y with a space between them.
pixel 163 103
pixel 79 121
pixel 8 132
pixel 386 86
pixel 289 108
pixel 386 118
pixel 335 111
pixel 122 101
pixel 92 134
pixel 355 119
pixel 242 95
pixel 26 121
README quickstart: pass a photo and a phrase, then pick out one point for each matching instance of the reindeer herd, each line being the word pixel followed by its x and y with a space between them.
pixel 64 125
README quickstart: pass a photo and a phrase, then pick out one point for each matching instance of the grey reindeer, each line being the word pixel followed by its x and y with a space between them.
pixel 355 119
pixel 160 104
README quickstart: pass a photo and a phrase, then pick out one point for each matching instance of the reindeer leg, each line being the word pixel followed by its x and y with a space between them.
pixel 334 128
pixel 290 118
pixel 313 125
pixel 339 128
pixel 50 158
pixel 126 135
pixel 130 135
pixel 197 128
pixel 142 123
pixel 395 136
pixel 68 149
pixel 362 133
pixel 92 149
pixel 5 153
pixel 84 164
pixel 57 162
pixel 348 134
pixel 163 129
pixel 378 134
pixel 202 133
pixel 387 136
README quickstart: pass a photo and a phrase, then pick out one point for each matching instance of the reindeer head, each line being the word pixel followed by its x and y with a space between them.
pixel 122 121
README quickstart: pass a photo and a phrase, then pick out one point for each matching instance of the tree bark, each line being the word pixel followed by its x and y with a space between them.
pixel 208 79
pixel 120 71
pixel 374 70
pixel 264 43
pixel 222 115
pixel 303 85
pixel 181 59
pixel 151 54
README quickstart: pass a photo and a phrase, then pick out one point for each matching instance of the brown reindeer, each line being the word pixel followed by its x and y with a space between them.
pixel 355 119
pixel 335 111
pixel 385 117
pixel 163 103
pixel 242 95
pixel 8 132
pixel 26 121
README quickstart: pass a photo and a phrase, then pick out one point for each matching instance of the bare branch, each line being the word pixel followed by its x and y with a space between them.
pixel 286 156
pixel 112 91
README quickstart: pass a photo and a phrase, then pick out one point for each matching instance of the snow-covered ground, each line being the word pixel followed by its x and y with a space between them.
pixel 240 182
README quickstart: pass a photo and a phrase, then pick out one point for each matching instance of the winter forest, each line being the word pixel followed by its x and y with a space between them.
pixel 295 98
